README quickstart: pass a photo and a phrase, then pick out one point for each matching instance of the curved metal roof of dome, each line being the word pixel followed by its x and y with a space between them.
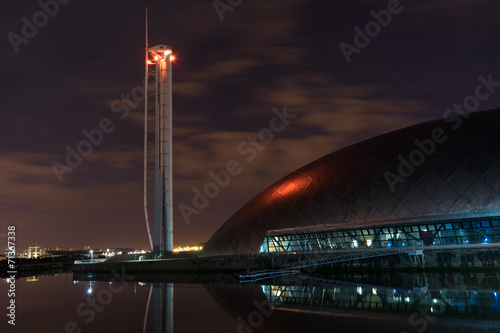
pixel 352 186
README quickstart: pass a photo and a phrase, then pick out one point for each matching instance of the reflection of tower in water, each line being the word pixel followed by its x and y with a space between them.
pixel 158 173
pixel 162 297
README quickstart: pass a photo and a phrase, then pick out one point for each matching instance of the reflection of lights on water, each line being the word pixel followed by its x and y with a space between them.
pixel 434 306
pixel 264 289
pixel 89 291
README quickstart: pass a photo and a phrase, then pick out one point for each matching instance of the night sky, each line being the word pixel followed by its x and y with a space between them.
pixel 87 61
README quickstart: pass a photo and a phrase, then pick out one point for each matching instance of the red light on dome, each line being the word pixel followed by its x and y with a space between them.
pixel 286 189
pixel 297 185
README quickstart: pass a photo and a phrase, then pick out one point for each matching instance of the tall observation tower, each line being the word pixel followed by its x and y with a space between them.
pixel 158 147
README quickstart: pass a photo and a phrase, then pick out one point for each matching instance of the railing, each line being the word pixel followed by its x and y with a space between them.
pixel 364 254
pixel 266 274
pixel 89 261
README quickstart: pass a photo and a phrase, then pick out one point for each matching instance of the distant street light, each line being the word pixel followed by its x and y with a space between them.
pixel 91 260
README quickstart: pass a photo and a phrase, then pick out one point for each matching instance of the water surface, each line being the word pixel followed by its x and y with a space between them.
pixel 193 303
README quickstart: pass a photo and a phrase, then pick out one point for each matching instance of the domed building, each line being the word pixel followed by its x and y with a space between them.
pixel 435 183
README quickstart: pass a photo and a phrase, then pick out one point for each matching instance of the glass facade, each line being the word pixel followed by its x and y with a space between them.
pixel 456 232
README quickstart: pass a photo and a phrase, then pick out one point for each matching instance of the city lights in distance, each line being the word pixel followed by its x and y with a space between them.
pixel 188 248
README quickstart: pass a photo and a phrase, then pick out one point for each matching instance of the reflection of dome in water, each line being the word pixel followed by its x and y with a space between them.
pixel 455 175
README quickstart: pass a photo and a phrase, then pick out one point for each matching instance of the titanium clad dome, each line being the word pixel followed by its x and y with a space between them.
pixel 455 176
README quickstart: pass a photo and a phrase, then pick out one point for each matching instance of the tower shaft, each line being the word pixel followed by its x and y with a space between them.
pixel 158 147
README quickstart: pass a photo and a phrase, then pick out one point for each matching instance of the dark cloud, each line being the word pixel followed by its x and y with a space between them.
pixel 228 78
